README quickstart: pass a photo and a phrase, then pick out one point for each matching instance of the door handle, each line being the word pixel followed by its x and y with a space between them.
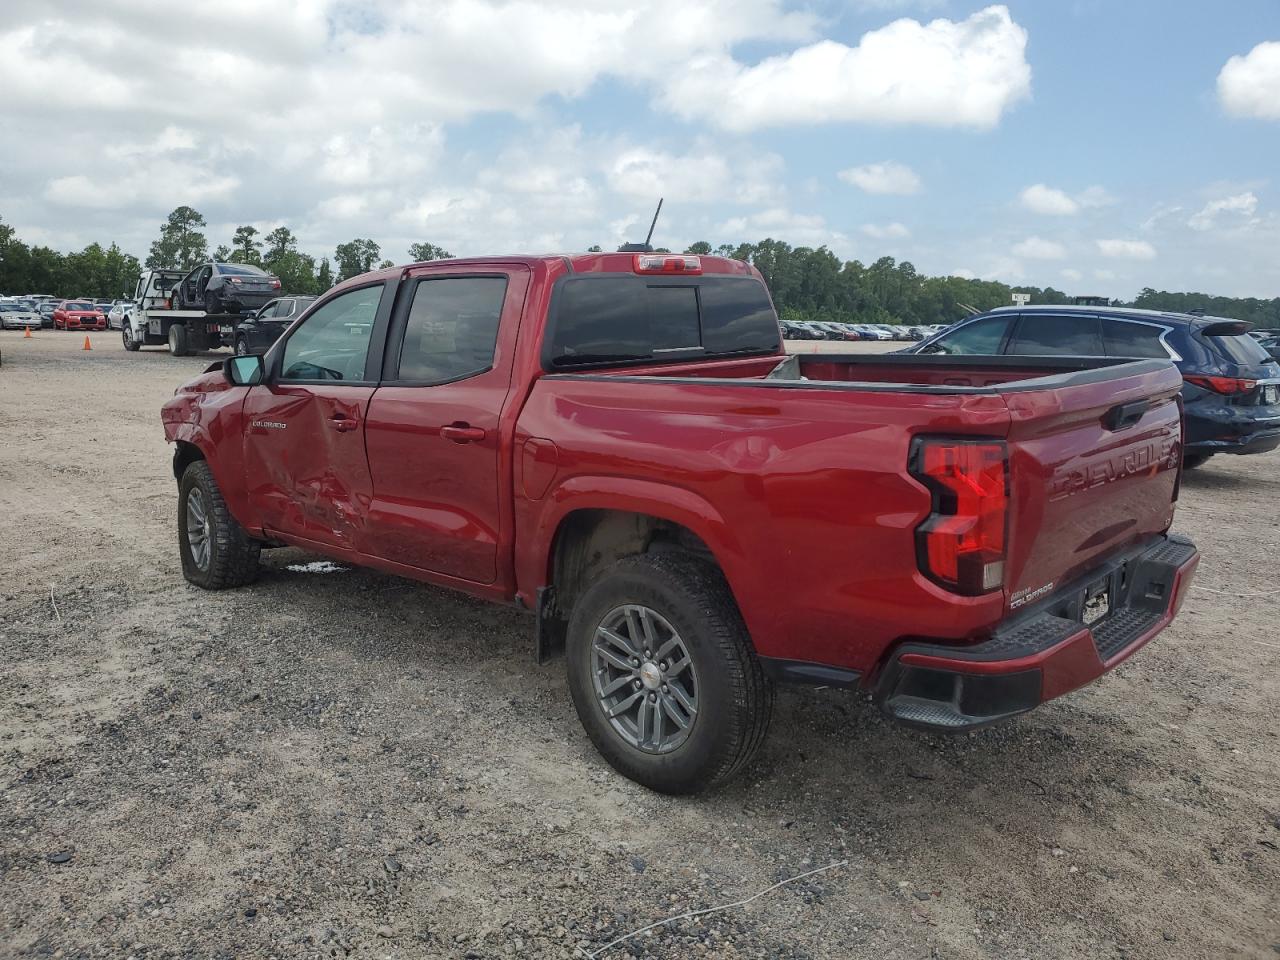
pixel 462 433
pixel 342 423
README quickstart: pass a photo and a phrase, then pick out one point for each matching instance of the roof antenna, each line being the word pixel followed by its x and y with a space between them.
pixel 643 247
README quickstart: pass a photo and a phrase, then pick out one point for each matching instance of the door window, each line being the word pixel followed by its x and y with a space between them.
pixel 1047 335
pixel 333 343
pixel 282 308
pixel 1126 339
pixel 452 329
pixel 979 338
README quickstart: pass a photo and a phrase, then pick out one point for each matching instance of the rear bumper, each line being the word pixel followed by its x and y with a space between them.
pixel 1231 429
pixel 1043 654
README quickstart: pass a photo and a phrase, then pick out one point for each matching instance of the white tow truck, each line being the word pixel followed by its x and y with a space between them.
pixel 152 320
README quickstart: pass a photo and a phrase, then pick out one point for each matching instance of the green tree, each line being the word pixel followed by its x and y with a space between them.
pixel 280 242
pixel 594 248
pixel 356 257
pixel 247 249
pixel 324 276
pixel 420 252
pixel 222 253
pixel 181 245
pixel 700 248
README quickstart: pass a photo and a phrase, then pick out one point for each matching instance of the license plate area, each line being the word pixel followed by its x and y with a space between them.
pixel 1270 394
pixel 1096 604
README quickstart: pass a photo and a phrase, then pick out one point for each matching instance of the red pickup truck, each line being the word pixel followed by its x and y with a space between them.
pixel 618 444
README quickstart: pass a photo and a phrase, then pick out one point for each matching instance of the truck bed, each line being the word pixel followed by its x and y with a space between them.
pixel 809 471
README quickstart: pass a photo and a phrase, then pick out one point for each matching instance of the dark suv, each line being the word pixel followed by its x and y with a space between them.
pixel 1231 391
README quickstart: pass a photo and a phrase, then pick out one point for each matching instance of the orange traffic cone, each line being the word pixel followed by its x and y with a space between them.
pixel 27 335
pixel 86 344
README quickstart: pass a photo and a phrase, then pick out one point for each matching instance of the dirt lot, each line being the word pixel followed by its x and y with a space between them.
pixel 340 764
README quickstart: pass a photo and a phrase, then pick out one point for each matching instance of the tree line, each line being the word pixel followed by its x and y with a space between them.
pixel 807 283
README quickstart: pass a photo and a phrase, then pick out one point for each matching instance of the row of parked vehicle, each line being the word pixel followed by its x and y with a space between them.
pixel 43 311
pixel 832 330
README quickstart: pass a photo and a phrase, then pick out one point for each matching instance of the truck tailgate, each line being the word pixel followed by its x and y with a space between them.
pixel 1094 468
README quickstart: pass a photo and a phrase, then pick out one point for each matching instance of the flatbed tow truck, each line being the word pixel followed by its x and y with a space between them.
pixel 152 321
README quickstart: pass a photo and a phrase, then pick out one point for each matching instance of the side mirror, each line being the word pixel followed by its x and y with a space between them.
pixel 243 371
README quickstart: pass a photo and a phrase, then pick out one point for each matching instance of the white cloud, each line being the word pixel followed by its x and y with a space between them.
pixel 1249 86
pixel 798 229
pixel 1050 201
pixel 945 73
pixel 1244 204
pixel 1035 248
pixel 883 178
pixel 1072 274
pixel 1127 249
pixel 1094 197
pixel 888 231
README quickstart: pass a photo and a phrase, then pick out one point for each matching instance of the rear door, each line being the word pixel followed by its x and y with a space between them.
pixel 433 429
pixel 1056 335
pixel 305 464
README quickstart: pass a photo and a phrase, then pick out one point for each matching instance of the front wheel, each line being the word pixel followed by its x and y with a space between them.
pixel 126 335
pixel 663 675
pixel 216 552
pixel 242 347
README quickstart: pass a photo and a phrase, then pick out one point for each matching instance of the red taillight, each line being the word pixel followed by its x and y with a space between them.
pixel 962 543
pixel 666 263
pixel 1223 385
pixel 275 284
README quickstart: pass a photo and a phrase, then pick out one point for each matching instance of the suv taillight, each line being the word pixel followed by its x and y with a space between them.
pixel 1224 385
pixel 961 545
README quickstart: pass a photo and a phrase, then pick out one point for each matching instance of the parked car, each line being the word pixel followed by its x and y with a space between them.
pixel 225 288
pixel 17 316
pixel 78 315
pixel 117 316
pixel 45 309
pixel 263 329
pixel 1271 344
pixel 693 514
pixel 1231 391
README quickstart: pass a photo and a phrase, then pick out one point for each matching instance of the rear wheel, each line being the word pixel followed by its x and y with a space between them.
pixel 1192 460
pixel 216 552
pixel 178 340
pixel 663 675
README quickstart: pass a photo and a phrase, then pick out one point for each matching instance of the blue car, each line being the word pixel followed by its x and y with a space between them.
pixel 1231 384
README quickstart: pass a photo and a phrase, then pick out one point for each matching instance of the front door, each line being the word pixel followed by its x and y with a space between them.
pixel 305 463
pixel 432 429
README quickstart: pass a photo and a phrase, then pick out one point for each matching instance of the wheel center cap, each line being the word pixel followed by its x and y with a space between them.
pixel 650 675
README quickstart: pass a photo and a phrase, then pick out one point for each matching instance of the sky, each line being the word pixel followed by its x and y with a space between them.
pixel 1097 146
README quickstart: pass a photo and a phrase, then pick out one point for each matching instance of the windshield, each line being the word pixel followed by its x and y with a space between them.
pixel 10 307
pixel 79 305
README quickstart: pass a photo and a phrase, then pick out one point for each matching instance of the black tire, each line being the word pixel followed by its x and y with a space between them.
pixel 130 344
pixel 242 347
pixel 178 340
pixel 734 697
pixel 212 305
pixel 1192 460
pixel 232 558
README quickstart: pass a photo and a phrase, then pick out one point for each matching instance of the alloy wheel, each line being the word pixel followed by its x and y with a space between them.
pixel 199 529
pixel 644 678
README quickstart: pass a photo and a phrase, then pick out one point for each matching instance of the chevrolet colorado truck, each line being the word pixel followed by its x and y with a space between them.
pixel 618 444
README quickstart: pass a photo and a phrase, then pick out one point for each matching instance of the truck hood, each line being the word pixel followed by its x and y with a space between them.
pixel 211 381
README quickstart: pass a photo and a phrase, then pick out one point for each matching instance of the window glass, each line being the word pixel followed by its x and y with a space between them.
pixel 333 343
pixel 979 338
pixel 1241 348
pixel 1047 335
pixel 453 328
pixel 283 308
pixel 237 270
pixel 616 319
pixel 673 318
pixel 1124 339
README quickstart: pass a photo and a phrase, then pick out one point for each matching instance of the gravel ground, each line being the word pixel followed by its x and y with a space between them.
pixel 346 764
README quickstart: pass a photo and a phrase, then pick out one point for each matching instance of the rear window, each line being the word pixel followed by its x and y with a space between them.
pixel 1127 339
pixel 236 270
pixel 1242 349
pixel 619 319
